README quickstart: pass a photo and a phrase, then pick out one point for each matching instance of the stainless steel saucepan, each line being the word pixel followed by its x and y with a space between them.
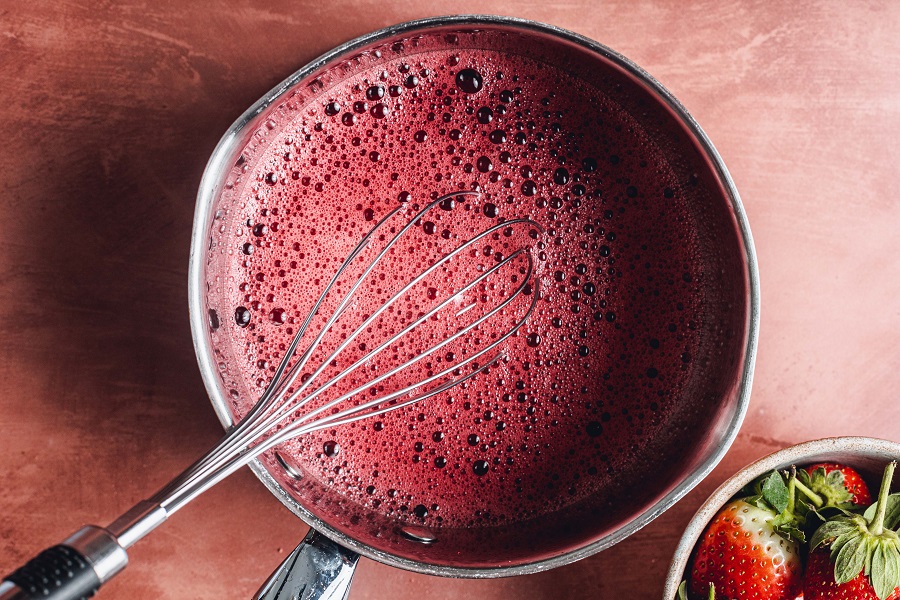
pixel 715 406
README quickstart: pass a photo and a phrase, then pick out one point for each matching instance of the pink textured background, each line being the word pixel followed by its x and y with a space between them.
pixel 109 110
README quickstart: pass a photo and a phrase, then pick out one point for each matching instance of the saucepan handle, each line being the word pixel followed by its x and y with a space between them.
pixel 318 569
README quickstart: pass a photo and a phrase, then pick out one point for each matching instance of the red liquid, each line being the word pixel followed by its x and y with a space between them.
pixel 600 369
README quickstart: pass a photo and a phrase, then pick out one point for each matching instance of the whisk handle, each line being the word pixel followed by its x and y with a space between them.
pixel 73 570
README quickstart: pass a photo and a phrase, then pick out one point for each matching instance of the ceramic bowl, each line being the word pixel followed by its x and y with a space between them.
pixel 867 455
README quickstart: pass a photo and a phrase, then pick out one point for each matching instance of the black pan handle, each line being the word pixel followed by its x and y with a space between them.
pixel 73 570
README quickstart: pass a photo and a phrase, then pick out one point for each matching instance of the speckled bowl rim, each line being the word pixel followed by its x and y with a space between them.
pixel 839 449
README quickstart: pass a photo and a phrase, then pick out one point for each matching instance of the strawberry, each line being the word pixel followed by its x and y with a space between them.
pixel 857 557
pixel 820 569
pixel 743 556
pixel 751 548
pixel 835 481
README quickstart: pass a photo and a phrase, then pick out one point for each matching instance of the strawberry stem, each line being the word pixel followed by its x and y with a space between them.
pixel 815 498
pixel 792 493
pixel 877 525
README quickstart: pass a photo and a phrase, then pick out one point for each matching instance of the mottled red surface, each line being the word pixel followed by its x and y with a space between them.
pixel 109 112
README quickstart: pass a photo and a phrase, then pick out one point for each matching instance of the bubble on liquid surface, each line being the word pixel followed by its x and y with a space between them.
pixel 213 319
pixel 331 448
pixel 241 316
pixel 375 92
pixel 469 81
pixel 529 188
pixel 380 111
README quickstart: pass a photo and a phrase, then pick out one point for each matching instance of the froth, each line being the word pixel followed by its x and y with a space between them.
pixel 600 364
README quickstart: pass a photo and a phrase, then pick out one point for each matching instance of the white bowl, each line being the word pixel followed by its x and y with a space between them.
pixel 867 455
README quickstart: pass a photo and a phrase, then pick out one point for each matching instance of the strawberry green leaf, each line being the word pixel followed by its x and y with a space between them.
pixel 885 571
pixel 892 512
pixel 831 486
pixel 775 492
pixel 791 533
pixel 879 573
pixel 850 557
pixel 831 530
pixel 791 517
pixel 885 578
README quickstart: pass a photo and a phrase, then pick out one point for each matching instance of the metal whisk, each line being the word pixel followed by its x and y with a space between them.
pixel 288 407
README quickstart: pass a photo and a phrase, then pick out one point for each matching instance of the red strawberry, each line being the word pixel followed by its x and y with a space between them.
pixel 864 558
pixel 744 557
pixel 822 481
pixel 820 569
